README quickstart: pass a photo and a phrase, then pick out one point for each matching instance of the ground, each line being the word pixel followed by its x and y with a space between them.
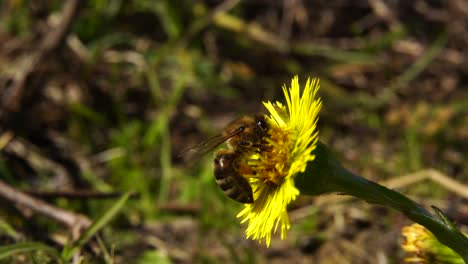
pixel 99 99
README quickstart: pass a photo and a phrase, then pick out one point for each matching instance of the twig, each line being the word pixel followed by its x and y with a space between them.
pixel 190 209
pixel 72 220
pixel 13 96
pixel 433 175
pixel 77 194
pixel 5 138
pixel 448 183
pixel 381 10
pixel 39 162
pixel 203 22
pixel 252 30
pixel 388 92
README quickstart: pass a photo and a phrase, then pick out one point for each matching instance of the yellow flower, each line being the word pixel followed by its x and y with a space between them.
pixel 423 247
pixel 292 136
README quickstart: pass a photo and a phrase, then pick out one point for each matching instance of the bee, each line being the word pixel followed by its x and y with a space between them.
pixel 243 136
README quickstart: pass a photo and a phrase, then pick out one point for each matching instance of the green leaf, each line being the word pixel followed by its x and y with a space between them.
pixel 154 256
pixel 6 251
pixel 102 221
pixel 7 229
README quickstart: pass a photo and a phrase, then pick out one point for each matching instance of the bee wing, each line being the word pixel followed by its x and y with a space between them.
pixel 206 146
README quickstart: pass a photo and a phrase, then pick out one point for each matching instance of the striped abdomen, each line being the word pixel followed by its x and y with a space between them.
pixel 228 178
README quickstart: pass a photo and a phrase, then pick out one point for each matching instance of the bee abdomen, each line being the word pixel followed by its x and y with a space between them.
pixel 228 178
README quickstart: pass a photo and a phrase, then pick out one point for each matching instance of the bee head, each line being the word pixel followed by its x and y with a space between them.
pixel 261 126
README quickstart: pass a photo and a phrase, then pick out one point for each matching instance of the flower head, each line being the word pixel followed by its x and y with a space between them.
pixel 423 247
pixel 292 136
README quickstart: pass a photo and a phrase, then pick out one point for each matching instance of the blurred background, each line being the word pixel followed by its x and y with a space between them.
pixel 99 98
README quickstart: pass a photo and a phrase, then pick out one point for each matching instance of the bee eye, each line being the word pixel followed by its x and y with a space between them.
pixel 262 124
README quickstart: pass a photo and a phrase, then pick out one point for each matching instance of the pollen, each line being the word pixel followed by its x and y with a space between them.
pixel 272 167
pixel 245 170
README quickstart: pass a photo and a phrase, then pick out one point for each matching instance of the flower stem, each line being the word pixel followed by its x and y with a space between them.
pixel 325 174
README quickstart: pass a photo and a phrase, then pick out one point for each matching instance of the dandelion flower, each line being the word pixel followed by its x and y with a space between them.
pixel 423 247
pixel 292 136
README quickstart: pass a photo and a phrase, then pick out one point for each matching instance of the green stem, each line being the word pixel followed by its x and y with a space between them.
pixel 325 174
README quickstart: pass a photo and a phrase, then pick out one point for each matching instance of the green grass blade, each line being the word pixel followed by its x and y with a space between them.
pixel 6 251
pixel 97 225
pixel 8 230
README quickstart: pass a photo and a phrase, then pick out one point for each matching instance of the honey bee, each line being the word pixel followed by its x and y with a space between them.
pixel 243 135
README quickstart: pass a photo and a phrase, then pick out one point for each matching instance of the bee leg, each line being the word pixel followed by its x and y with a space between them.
pixel 245 144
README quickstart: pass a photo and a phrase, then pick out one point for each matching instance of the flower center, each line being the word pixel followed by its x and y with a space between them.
pixel 271 162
